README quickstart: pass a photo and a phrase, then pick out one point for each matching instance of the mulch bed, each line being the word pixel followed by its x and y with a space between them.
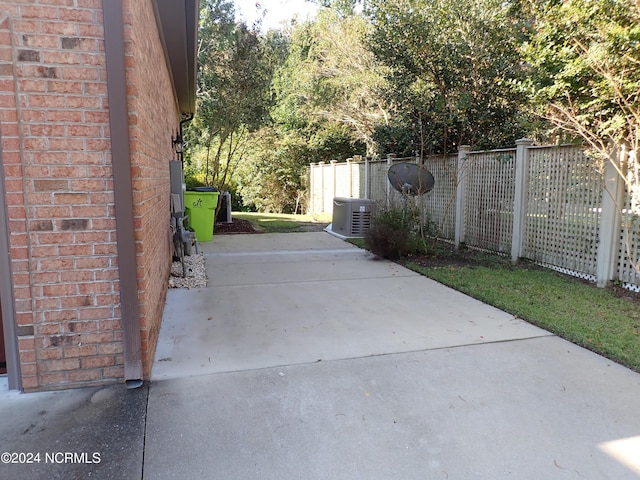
pixel 237 225
pixel 448 256
pixel 622 292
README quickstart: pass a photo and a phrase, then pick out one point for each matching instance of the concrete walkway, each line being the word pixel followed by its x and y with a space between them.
pixel 301 298
pixel 305 358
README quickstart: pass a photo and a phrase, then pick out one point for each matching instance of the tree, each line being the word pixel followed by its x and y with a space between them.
pixel 349 80
pixel 585 75
pixel 270 176
pixel 270 180
pixel 453 64
pixel 234 72
pixel 331 77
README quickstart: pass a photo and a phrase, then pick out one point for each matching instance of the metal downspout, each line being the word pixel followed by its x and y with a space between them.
pixel 6 291
pixel 122 186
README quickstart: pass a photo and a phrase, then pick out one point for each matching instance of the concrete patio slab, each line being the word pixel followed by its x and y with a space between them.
pixel 299 298
pixel 96 433
pixel 406 379
pixel 527 409
pixel 297 266
pixel 273 242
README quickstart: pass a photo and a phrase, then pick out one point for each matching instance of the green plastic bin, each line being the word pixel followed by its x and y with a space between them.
pixel 201 208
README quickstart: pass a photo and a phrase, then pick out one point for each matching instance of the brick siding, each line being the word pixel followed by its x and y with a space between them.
pixel 59 185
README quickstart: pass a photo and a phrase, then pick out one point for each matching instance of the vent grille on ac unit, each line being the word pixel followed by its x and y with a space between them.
pixel 360 223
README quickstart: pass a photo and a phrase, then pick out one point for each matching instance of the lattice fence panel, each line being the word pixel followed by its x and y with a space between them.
pixel 563 205
pixel 316 181
pixel 378 181
pixel 440 203
pixel 629 251
pixel 342 187
pixel 489 196
pixel 357 180
pixel 329 187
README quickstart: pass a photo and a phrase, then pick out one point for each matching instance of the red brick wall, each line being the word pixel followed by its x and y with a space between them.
pixel 61 201
pixel 153 120
pixel 57 164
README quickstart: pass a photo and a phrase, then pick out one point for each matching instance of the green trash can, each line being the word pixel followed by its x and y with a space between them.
pixel 201 208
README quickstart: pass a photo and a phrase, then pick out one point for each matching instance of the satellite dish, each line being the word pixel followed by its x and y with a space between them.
pixel 410 179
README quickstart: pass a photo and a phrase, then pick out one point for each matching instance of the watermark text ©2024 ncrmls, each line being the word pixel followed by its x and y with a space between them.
pixel 51 457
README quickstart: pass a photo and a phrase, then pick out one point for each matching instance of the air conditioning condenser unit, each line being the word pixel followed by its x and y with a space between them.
pixel 352 216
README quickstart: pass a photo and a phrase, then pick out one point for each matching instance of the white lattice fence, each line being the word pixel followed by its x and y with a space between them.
pixel 378 181
pixel 315 182
pixel 439 203
pixel 346 179
pixel 341 186
pixel 489 195
pixel 357 180
pixel 629 251
pixel 334 179
pixel 563 209
pixel 546 204
pixel 330 187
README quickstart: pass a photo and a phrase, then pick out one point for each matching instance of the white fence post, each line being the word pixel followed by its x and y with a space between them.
pixel 390 157
pixel 321 166
pixel 520 197
pixel 610 220
pixel 312 188
pixel 367 177
pixel 349 177
pixel 463 154
pixel 356 161
pixel 335 178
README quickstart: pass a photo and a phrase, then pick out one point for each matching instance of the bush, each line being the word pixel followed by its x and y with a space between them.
pixel 191 181
pixel 387 242
pixel 396 233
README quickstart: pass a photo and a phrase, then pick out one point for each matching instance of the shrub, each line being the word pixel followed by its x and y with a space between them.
pixel 191 181
pixel 396 233
pixel 387 242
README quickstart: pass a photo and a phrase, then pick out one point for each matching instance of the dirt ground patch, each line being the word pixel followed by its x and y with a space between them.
pixel 237 225
pixel 447 256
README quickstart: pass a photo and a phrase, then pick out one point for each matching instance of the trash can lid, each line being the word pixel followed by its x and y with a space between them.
pixel 204 189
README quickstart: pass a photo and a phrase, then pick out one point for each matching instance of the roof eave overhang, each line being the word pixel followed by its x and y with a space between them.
pixel 178 25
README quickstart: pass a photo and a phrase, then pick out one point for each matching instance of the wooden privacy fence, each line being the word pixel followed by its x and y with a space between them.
pixel 550 204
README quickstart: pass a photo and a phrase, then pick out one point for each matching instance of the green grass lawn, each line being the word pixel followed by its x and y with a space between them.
pixel 282 222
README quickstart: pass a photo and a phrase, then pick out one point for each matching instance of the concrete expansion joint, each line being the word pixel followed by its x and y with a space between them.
pixel 307 282
pixel 357 358
pixel 284 252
